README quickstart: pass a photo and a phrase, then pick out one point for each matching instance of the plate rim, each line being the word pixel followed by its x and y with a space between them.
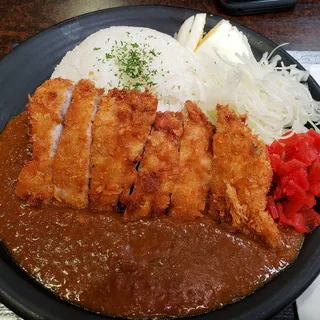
pixel 25 312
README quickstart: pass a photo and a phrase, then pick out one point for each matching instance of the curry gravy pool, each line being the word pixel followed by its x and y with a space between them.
pixel 150 267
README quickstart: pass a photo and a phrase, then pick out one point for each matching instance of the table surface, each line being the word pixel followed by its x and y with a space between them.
pixel 21 19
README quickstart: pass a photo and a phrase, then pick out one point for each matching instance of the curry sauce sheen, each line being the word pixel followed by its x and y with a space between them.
pixel 153 267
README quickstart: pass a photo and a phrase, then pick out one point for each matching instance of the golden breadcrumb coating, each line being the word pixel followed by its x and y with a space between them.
pixel 120 130
pixel 71 162
pixel 159 168
pixel 241 178
pixel 45 113
pixel 191 190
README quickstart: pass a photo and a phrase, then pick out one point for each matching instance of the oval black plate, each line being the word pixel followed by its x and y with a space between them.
pixel 32 62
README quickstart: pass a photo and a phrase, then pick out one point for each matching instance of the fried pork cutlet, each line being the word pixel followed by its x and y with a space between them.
pixel 159 168
pixel 120 130
pixel 45 113
pixel 71 162
pixel 241 178
pixel 191 190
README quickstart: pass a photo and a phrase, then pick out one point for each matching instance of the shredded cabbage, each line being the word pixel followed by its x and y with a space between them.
pixel 273 95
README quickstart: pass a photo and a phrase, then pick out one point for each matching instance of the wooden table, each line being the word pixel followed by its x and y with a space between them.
pixel 20 19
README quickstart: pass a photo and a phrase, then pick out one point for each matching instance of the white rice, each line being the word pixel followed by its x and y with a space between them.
pixel 175 77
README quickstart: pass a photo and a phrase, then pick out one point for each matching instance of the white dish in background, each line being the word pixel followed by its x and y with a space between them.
pixel 308 303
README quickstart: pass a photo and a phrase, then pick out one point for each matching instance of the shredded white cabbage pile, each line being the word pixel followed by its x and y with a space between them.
pixel 276 99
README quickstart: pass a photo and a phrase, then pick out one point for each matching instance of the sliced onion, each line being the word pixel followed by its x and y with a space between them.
pixel 184 31
pixel 196 32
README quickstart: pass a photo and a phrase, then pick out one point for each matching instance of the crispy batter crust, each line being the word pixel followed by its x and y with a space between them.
pixel 121 128
pixel 71 162
pixel 241 178
pixel 159 168
pixel 191 190
pixel 45 113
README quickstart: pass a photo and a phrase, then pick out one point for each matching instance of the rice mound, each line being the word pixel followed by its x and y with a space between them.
pixel 174 79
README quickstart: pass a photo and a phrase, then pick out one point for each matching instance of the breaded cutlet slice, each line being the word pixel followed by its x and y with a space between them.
pixel 241 178
pixel 190 193
pixel 120 130
pixel 159 168
pixel 72 160
pixel 45 112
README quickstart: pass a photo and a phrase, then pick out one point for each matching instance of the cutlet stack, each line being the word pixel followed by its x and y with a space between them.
pixel 104 139
pixel 45 113
pixel 121 128
pixel 241 178
pixel 159 168
pixel 114 152
pixel 72 161
pixel 92 152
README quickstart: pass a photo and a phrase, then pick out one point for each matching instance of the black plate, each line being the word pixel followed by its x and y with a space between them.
pixel 32 62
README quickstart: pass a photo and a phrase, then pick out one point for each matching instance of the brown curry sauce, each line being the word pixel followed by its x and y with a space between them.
pixel 153 267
